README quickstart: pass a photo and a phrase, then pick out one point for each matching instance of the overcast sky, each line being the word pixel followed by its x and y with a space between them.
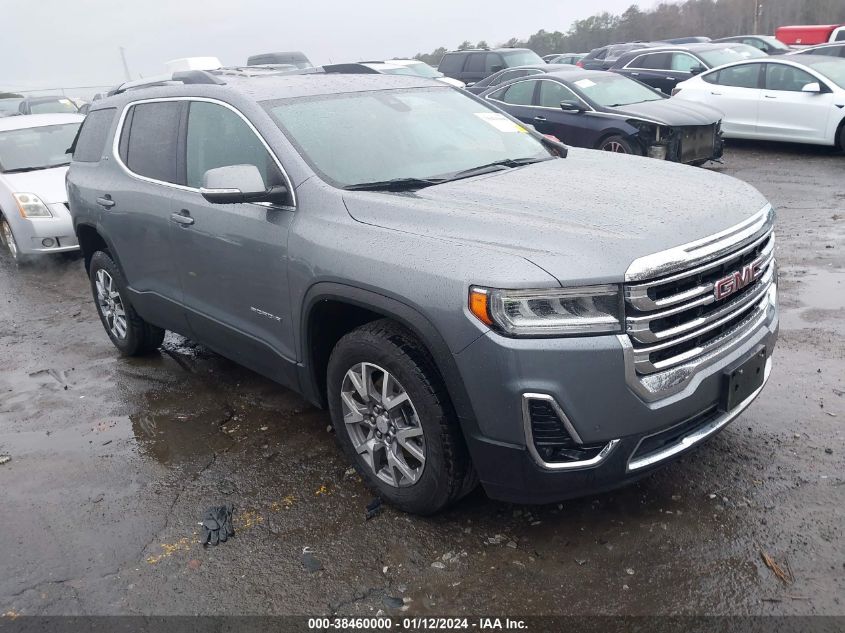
pixel 50 43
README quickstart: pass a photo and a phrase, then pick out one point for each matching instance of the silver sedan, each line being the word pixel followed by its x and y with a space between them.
pixel 34 217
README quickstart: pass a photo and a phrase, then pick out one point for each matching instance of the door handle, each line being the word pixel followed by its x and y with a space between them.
pixel 635 74
pixel 717 94
pixel 106 201
pixel 670 78
pixel 770 96
pixel 540 119
pixel 183 218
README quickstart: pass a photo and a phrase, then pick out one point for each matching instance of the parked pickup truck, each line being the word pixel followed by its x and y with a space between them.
pixel 809 35
pixel 470 300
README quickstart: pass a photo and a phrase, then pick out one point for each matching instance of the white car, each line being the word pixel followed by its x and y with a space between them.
pixel 34 217
pixel 795 98
pixel 413 67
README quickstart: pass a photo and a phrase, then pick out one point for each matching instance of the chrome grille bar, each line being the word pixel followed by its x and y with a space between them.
pixel 674 315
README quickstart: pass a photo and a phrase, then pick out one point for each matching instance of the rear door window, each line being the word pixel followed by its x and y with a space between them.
pixel 91 141
pixel 742 76
pixel 219 137
pixel 652 61
pixel 150 139
pixel 521 93
pixel 475 63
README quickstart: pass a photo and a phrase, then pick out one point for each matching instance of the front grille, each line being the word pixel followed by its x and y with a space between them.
pixel 553 442
pixel 676 318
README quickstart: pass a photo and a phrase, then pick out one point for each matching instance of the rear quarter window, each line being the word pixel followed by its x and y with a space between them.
pixel 90 144
pixel 451 64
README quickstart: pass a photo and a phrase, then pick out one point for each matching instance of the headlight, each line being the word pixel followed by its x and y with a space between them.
pixel 31 206
pixel 550 311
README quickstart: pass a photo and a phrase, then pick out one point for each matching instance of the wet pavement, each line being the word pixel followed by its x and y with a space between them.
pixel 114 460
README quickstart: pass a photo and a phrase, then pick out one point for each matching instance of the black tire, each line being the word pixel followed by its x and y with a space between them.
pixel 140 337
pixel 621 145
pixel 700 163
pixel 5 237
pixel 842 138
pixel 447 474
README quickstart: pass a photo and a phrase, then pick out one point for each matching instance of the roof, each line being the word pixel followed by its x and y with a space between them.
pixel 38 120
pixel 503 49
pixel 573 73
pixel 272 86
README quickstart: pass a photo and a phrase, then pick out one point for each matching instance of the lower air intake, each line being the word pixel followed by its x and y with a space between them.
pixel 552 440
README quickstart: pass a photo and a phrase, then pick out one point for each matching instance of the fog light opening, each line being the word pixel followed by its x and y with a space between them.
pixel 48 242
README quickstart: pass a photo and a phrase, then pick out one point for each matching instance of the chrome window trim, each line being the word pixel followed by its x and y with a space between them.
pixel 685 256
pixel 119 131
pixel 698 435
pixel 588 108
pixel 529 437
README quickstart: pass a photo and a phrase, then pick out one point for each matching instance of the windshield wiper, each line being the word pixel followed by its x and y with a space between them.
pixel 395 184
pixel 20 170
pixel 494 166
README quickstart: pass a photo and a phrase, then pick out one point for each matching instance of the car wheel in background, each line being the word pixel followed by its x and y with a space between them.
pixel 393 418
pixel 8 239
pixel 617 144
pixel 842 137
pixel 129 332
pixel 699 163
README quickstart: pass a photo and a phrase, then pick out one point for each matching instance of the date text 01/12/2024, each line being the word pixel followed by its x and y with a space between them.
pixel 414 624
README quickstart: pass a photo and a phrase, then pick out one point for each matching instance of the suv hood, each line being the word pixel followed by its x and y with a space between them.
pixel 672 112
pixel 47 184
pixel 583 219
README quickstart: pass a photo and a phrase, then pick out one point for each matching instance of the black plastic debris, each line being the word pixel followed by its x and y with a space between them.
pixel 373 508
pixel 217 525
pixel 392 602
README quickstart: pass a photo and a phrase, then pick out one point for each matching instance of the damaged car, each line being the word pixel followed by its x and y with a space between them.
pixel 606 111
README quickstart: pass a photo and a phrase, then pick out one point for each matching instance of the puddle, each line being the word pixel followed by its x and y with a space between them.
pixel 819 294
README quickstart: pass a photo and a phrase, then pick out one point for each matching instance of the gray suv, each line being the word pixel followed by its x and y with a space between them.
pixel 469 300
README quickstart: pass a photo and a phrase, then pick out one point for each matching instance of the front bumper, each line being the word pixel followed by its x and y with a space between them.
pixel 30 234
pixel 589 379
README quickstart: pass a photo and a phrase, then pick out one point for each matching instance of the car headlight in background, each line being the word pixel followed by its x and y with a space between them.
pixel 550 311
pixel 31 206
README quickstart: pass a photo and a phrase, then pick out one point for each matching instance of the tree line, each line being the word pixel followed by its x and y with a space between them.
pixel 714 18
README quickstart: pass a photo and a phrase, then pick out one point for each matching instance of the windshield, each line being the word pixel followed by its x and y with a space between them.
pixel 423 133
pixel 522 58
pixel 421 69
pixel 774 42
pixel 51 106
pixel 36 147
pixel 723 56
pixel 833 69
pixel 9 106
pixel 613 90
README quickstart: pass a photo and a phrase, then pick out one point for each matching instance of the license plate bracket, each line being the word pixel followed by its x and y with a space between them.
pixel 743 379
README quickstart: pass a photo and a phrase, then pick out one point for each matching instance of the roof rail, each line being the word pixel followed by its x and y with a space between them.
pixel 181 76
pixel 350 69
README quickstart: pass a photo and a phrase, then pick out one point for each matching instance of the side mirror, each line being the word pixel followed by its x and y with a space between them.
pixel 571 106
pixel 814 87
pixel 697 70
pixel 239 183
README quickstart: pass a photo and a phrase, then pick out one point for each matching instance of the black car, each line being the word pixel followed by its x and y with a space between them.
pixel 665 67
pixel 831 50
pixel 769 44
pixel 694 39
pixel 606 111
pixel 604 57
pixel 565 58
pixel 509 74
pixel 471 66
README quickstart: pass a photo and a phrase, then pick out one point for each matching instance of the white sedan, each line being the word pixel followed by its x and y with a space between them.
pixel 795 98
pixel 33 202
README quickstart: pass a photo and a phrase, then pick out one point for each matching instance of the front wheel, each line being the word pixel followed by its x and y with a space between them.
pixel 8 239
pixel 393 418
pixel 129 332
pixel 618 145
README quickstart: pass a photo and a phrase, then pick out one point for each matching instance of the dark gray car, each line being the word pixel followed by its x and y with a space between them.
pixel 469 300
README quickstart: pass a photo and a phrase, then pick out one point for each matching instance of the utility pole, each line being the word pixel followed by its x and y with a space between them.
pixel 126 66
pixel 758 7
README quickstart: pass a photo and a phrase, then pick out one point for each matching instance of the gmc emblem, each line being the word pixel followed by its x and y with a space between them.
pixel 739 279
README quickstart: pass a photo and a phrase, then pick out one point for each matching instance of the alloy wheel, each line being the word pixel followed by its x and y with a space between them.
pixel 383 424
pixel 8 238
pixel 110 304
pixel 615 146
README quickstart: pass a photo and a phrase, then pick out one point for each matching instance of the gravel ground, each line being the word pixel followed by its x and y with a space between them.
pixel 113 461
